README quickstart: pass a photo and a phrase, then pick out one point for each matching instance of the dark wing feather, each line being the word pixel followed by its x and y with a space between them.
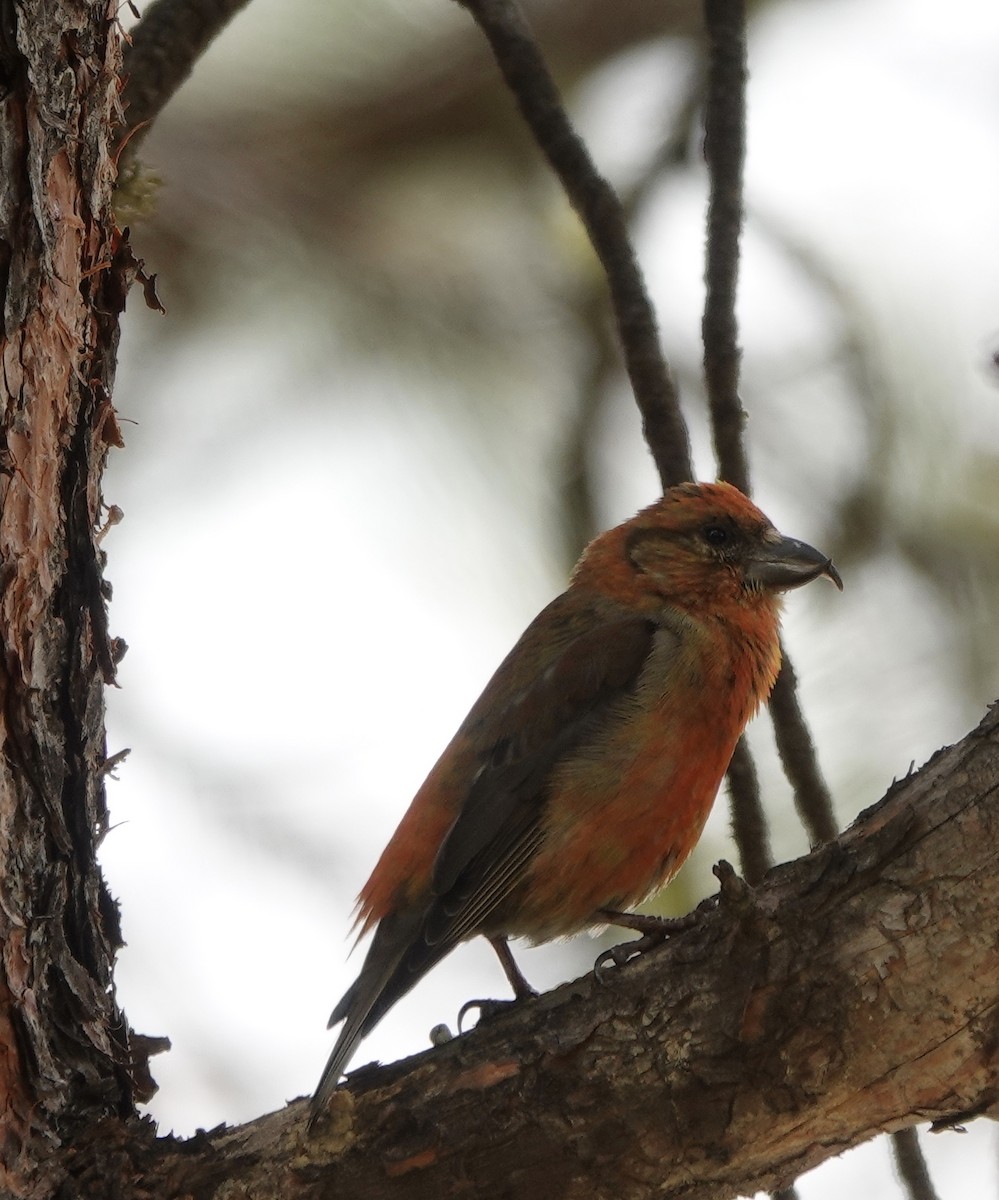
pixel 497 832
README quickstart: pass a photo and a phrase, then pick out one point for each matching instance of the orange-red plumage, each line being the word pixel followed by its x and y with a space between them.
pixel 582 777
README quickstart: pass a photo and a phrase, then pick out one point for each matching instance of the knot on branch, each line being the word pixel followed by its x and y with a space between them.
pixel 735 894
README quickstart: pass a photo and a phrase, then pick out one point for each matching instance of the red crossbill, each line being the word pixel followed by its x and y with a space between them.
pixel 583 775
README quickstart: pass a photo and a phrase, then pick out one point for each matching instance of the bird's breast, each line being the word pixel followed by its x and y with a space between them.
pixel 625 809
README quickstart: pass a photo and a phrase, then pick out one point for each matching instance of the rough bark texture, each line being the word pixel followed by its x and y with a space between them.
pixel 855 991
pixel 63 1042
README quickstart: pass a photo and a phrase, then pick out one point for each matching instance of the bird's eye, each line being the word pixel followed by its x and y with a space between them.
pixel 715 535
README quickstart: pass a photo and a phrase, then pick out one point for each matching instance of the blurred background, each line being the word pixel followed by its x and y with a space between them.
pixel 383 413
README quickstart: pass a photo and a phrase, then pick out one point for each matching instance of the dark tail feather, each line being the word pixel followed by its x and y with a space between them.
pixel 396 960
pixel 346 1043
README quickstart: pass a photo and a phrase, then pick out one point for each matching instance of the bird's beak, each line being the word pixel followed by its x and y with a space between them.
pixel 786 563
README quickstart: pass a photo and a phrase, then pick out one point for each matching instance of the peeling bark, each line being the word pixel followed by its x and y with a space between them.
pixel 63 1042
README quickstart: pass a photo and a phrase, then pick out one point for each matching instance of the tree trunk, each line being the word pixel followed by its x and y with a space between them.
pixel 64 1059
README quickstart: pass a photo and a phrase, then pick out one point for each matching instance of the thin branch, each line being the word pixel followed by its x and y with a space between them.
pixel 798 756
pixel 749 822
pixel 724 151
pixel 527 75
pixel 671 153
pixel 725 119
pixel 165 45
pixel 812 798
pixel 911 1165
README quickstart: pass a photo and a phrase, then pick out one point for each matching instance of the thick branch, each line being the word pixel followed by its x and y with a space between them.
pixel 855 991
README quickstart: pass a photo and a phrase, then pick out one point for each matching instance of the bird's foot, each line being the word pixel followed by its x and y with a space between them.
pixel 618 956
pixel 654 930
pixel 488 1010
pixel 648 924
pixel 522 990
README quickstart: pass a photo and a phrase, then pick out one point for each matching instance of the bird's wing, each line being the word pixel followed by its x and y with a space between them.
pixel 498 830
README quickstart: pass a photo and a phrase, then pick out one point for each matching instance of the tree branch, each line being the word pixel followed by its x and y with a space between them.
pixel 164 46
pixel 600 210
pixel 724 152
pixel 749 822
pixel 911 1165
pixel 855 991
pixel 812 798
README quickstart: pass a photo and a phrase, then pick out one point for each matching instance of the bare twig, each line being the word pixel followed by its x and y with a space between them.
pixel 165 45
pixel 724 151
pixel 749 822
pixel 528 77
pixel 911 1165
pixel 672 152
pixel 797 755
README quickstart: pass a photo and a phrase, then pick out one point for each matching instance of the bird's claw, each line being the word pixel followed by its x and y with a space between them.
pixel 654 930
pixel 620 956
pixel 487 1010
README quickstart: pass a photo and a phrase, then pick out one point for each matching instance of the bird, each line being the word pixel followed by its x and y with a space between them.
pixel 582 777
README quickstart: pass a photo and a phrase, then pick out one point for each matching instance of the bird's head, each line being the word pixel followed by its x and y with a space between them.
pixel 700 541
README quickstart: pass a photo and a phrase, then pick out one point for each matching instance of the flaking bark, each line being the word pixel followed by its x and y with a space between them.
pixel 64 1058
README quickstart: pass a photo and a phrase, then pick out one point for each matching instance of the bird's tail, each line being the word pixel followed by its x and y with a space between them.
pixel 397 958
pixel 354 1029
